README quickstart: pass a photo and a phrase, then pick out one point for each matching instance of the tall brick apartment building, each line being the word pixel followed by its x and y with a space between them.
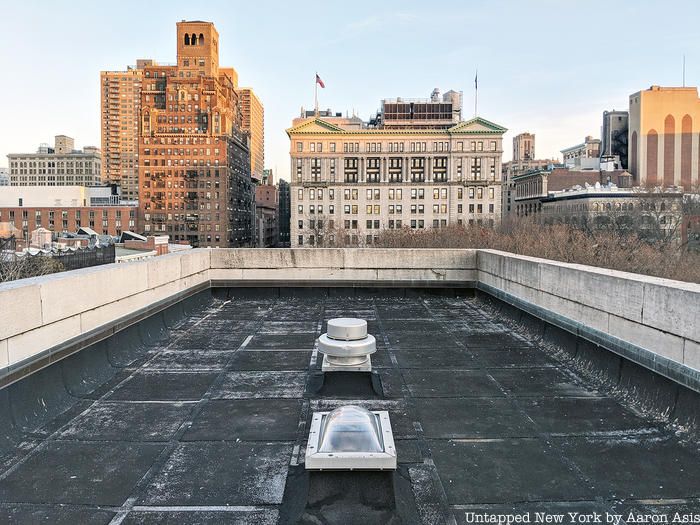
pixel 194 160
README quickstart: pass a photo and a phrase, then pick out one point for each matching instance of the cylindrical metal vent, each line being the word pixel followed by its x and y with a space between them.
pixel 347 346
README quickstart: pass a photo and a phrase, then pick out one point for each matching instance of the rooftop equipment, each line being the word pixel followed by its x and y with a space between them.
pixel 351 438
pixel 346 346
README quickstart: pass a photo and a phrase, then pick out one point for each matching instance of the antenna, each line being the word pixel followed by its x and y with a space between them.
pixel 683 69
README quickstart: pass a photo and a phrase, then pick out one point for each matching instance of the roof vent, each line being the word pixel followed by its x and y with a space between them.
pixel 346 347
pixel 350 438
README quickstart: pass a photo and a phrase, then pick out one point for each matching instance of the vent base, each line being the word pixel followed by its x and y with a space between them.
pixel 341 364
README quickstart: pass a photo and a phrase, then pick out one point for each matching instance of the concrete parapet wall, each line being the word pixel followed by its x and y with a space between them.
pixel 654 322
pixel 42 313
pixel 333 266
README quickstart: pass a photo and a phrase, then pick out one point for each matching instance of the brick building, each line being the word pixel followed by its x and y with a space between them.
pixel 194 160
pixel 66 209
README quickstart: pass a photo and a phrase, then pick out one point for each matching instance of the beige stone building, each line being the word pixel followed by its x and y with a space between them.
pixel 120 95
pixel 253 123
pixel 353 178
pixel 664 138
pixel 60 165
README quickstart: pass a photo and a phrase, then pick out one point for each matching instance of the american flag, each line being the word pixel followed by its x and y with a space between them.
pixel 319 81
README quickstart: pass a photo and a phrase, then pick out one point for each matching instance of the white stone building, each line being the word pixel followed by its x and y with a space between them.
pixel 352 179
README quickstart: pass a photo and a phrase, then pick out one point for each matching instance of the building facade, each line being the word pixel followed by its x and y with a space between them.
pixel 614 139
pixel 4 177
pixel 652 215
pixel 266 212
pixel 253 123
pixel 66 209
pixel 584 156
pixel 524 160
pixel 664 137
pixel 351 179
pixel 194 160
pixel 120 97
pixel 61 165
pixel 285 205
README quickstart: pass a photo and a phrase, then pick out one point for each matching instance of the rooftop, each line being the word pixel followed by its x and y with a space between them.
pixel 511 384
pixel 207 424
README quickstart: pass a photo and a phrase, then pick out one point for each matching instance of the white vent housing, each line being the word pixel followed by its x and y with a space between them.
pixel 347 346
pixel 350 438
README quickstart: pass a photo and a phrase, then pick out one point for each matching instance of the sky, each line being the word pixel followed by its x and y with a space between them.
pixel 549 67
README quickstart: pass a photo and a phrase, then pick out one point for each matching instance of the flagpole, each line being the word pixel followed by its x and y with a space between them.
pixel 476 91
pixel 316 95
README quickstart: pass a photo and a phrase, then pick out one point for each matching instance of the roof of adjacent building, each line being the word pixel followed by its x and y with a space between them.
pixel 206 422
pixel 320 125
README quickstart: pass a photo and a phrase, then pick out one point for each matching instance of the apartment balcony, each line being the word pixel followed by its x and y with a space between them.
pixel 182 388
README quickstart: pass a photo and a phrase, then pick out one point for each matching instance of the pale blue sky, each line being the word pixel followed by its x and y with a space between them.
pixel 548 67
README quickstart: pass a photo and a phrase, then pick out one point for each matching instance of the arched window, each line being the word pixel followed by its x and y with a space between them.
pixel 187 39
pixel 194 39
pixel 201 39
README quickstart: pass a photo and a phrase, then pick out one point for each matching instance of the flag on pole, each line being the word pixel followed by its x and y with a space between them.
pixel 319 81
pixel 476 80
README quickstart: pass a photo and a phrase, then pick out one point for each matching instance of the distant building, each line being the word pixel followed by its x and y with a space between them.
pixel 194 160
pixel 614 135
pixel 61 165
pixel 66 209
pixel 4 177
pixel 663 130
pixel 530 188
pixel 253 123
pixel 120 94
pixel 415 164
pixel 266 212
pixel 656 215
pixel 584 156
pixel 285 204
pixel 523 160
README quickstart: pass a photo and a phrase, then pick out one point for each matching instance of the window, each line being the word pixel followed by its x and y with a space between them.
pixel 300 194
pixel 332 147
pixel 300 147
pixel 300 208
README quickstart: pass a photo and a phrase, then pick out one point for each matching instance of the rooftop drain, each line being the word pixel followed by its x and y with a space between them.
pixel 350 438
pixel 346 347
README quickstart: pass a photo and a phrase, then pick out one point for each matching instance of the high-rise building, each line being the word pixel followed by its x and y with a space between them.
pixel 61 165
pixel 614 135
pixel 194 160
pixel 523 148
pixel 120 93
pixel 4 177
pixel 284 211
pixel 253 123
pixel 664 148
pixel 407 168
